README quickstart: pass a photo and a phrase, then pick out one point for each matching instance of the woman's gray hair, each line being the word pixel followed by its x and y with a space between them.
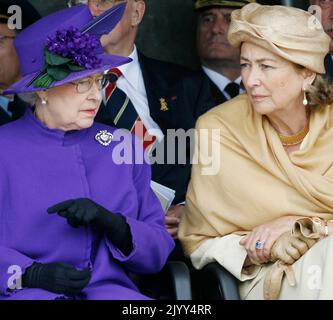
pixel 29 97
pixel 72 3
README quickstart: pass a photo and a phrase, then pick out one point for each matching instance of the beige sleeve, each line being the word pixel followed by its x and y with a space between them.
pixel 227 252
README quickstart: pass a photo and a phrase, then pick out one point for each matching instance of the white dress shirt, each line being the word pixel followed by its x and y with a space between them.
pixel 221 81
pixel 133 85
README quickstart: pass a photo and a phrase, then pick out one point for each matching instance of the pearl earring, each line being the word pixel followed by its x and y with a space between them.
pixel 305 100
pixel 44 102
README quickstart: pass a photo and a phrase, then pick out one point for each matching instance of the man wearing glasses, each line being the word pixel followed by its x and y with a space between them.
pixel 11 107
pixel 326 7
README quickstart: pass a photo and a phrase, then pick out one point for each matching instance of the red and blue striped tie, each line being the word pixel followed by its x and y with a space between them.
pixel 121 109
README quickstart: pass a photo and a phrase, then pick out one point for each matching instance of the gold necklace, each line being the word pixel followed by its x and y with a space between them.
pixel 295 138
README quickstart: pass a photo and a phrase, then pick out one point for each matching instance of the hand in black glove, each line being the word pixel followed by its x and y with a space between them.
pixel 59 278
pixel 85 212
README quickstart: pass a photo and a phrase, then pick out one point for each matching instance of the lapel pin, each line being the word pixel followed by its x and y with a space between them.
pixel 164 105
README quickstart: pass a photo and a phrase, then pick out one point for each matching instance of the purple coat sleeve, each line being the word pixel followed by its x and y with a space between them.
pixel 12 262
pixel 12 266
pixel 151 242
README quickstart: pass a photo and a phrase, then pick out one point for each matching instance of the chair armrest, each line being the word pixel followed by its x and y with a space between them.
pixel 218 283
pixel 179 274
pixel 173 282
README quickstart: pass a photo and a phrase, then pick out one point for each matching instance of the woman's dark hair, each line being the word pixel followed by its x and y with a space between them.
pixel 320 94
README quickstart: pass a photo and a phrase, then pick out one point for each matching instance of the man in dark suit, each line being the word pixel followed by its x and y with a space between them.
pixel 219 60
pixel 326 7
pixel 166 96
pixel 12 107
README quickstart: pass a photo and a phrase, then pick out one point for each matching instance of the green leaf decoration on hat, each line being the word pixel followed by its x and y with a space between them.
pixel 54 59
pixel 43 81
pixel 56 68
pixel 74 67
pixel 58 73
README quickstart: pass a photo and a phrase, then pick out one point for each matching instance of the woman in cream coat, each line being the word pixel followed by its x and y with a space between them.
pixel 274 145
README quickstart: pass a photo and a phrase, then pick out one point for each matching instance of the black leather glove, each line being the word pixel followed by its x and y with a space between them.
pixel 85 212
pixel 56 277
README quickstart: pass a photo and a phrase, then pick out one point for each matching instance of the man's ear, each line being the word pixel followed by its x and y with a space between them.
pixel 138 11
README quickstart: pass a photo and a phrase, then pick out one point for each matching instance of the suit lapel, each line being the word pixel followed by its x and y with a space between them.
pixel 162 108
pixel 18 107
pixel 329 66
pixel 217 95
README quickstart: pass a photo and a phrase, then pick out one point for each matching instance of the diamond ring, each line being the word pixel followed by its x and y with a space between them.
pixel 260 245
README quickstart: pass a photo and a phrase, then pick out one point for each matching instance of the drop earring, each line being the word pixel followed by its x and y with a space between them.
pixel 44 102
pixel 305 100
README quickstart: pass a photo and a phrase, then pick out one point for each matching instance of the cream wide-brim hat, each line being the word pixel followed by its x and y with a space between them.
pixel 291 33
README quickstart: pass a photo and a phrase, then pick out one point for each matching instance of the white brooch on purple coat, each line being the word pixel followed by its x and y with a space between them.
pixel 104 137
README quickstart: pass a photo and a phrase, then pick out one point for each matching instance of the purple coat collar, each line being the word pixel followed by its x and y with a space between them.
pixel 64 138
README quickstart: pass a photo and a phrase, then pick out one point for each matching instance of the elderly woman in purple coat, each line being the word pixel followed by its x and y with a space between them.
pixel 74 218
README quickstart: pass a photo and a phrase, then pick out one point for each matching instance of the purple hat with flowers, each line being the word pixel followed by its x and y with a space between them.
pixel 64 47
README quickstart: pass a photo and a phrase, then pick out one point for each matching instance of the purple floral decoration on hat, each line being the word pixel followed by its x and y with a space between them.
pixel 66 52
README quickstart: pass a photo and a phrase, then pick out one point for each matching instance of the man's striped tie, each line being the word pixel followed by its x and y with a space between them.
pixel 122 111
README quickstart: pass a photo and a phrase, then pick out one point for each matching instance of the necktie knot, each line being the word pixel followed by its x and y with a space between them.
pixel 114 74
pixel 232 89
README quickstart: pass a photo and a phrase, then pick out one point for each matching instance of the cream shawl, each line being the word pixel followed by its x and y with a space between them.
pixel 256 181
